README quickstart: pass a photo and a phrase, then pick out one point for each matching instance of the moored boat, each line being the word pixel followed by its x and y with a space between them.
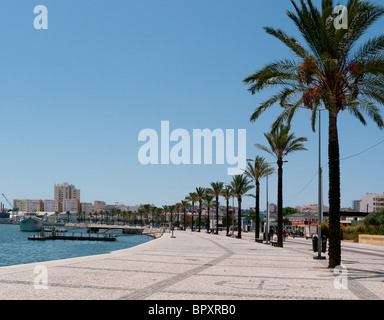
pixel 31 224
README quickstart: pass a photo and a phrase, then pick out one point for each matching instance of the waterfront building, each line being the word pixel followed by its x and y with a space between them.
pixel 86 207
pixel 66 191
pixel 99 206
pixel 28 205
pixel 52 206
pixel 73 206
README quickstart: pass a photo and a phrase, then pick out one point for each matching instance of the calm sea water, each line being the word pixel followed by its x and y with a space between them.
pixel 15 248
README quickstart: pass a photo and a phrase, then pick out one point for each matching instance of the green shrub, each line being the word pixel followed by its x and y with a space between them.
pixel 374 218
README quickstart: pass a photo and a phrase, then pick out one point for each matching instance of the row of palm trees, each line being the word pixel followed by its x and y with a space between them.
pixel 329 72
pixel 281 143
pixel 237 188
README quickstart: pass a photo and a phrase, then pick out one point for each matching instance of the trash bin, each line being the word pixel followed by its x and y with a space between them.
pixel 314 242
pixel 324 243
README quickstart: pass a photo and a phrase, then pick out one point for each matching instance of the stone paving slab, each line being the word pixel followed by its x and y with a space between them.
pixel 201 266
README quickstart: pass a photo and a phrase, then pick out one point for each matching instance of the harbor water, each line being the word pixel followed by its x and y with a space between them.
pixel 15 248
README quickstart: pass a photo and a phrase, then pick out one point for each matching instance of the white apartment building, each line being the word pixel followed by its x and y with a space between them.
pixel 372 202
pixel 27 205
pixel 66 191
pixel 52 206
pixel 73 206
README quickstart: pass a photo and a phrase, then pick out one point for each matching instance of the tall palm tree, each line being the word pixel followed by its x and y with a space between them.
pixel 281 143
pixel 216 190
pixel 330 73
pixel 256 171
pixel 172 209
pixel 159 212
pixel 147 209
pixel 240 186
pixel 227 194
pixel 200 194
pixel 192 196
pixel 177 208
pixel 208 199
pixel 153 212
pixel 185 205
pixel 166 209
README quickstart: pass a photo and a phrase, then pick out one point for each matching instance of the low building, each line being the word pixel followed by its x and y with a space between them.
pixel 302 219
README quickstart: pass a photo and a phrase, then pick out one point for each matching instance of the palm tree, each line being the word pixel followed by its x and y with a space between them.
pixel 240 186
pixel 256 171
pixel 172 209
pixel 331 75
pixel 141 212
pixel 200 194
pixel 281 143
pixel 216 189
pixel 165 210
pixel 192 196
pixel 177 207
pixel 159 212
pixel 68 215
pixel 227 194
pixel 184 205
pixel 153 212
pixel 208 198
pixel 147 210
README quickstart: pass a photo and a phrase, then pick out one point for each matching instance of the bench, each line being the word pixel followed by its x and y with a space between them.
pixel 260 240
pixel 274 243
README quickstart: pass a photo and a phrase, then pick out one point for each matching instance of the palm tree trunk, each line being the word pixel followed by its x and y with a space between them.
pixel 280 204
pixel 192 213
pixel 209 222
pixel 227 217
pixel 200 209
pixel 257 209
pixel 239 219
pixel 217 215
pixel 334 193
pixel 185 219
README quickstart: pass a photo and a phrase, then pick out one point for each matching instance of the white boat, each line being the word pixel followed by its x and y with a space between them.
pixel 31 224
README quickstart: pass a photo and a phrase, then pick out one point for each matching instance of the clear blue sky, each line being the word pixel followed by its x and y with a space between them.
pixel 73 98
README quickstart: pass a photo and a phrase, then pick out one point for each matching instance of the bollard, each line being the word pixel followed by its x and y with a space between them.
pixel 324 243
pixel 314 242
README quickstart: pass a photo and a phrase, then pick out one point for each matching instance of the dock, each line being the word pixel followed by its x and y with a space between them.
pixel 73 236
pixel 106 228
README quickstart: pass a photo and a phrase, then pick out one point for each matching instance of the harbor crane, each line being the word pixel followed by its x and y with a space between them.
pixel 10 204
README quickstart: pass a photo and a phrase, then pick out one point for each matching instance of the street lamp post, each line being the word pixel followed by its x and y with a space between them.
pixel 267 231
pixel 320 197
pixel 233 217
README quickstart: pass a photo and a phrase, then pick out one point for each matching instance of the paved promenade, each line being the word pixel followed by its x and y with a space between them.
pixel 201 266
